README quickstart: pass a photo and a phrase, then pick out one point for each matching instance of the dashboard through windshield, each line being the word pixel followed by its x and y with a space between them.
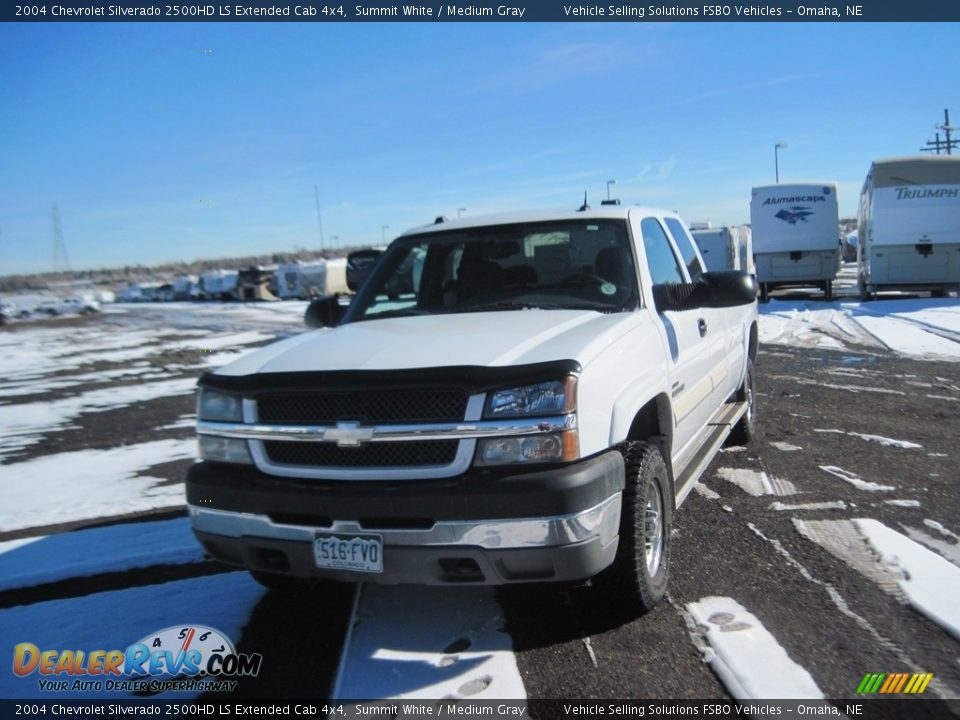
pixel 584 264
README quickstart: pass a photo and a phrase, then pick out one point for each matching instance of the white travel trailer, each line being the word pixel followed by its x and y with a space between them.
pixel 726 248
pixel 796 235
pixel 185 287
pixel 909 226
pixel 313 279
pixel 218 285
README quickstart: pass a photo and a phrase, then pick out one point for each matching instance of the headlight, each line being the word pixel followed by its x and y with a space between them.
pixel 221 449
pixel 542 448
pixel 547 398
pixel 219 406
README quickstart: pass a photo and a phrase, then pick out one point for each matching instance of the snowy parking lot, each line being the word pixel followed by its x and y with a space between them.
pixel 825 550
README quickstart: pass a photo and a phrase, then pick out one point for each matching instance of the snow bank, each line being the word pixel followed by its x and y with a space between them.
pixel 746 657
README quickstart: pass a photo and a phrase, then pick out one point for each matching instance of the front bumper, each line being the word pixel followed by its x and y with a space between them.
pixel 553 525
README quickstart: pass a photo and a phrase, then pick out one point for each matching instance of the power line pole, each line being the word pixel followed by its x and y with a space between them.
pixel 61 262
pixel 949 143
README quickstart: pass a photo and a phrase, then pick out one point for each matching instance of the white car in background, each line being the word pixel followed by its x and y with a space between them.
pixel 80 305
pixel 50 306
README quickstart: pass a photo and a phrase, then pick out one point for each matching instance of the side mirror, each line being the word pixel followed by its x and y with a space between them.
pixel 324 312
pixel 728 288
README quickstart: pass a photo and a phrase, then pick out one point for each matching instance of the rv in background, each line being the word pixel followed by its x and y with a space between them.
pixel 299 280
pixel 726 248
pixel 909 226
pixel 218 285
pixel 359 265
pixel 795 235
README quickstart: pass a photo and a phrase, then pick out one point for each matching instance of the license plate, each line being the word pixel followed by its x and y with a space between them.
pixel 358 553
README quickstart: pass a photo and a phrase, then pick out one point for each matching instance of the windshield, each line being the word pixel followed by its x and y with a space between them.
pixel 557 265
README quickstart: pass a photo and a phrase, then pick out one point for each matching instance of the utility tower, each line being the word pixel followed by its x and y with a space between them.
pixel 948 144
pixel 61 262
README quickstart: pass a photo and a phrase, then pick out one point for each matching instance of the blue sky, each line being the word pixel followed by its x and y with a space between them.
pixel 164 142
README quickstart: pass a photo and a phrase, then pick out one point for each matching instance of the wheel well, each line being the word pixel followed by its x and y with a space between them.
pixel 654 420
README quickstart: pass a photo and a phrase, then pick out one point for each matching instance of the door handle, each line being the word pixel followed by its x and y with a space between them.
pixel 702 326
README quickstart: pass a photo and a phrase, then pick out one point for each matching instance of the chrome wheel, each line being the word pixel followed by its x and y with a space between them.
pixel 653 528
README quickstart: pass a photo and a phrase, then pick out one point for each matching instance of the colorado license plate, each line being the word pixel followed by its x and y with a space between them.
pixel 354 552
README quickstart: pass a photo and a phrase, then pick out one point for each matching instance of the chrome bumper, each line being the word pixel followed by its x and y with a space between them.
pixel 599 522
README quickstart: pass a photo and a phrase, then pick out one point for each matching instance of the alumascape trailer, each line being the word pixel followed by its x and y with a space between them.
pixel 909 226
pixel 796 235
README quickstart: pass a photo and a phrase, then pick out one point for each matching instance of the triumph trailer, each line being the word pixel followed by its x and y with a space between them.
pixel 909 226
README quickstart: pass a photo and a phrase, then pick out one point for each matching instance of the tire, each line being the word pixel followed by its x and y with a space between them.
pixel 637 579
pixel 828 291
pixel 764 293
pixel 746 428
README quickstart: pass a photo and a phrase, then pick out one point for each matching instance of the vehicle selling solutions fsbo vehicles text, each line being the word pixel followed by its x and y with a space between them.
pixel 655 11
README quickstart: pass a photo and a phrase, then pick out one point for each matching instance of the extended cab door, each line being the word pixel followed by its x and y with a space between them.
pixel 693 352
pixel 726 328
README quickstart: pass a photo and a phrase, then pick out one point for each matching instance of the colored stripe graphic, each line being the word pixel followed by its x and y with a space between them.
pixel 894 683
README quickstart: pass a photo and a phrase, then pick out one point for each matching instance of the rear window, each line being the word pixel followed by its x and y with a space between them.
pixel 687 248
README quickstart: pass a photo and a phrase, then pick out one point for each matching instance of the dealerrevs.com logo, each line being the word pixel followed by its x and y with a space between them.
pixel 181 657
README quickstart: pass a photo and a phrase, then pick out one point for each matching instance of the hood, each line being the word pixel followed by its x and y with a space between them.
pixel 486 339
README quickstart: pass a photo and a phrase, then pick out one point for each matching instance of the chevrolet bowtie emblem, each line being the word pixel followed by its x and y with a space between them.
pixel 348 434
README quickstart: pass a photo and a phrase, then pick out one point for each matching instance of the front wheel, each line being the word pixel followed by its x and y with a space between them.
pixel 637 579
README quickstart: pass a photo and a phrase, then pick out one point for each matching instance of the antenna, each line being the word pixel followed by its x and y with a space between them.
pixel 61 262
pixel 584 206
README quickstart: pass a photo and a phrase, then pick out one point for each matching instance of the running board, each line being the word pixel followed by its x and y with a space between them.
pixel 713 436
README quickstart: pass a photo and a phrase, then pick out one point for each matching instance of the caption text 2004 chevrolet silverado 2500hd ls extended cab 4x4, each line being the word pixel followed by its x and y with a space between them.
pixel 533 406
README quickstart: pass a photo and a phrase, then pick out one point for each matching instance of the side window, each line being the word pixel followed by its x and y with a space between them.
pixel 682 238
pixel 664 266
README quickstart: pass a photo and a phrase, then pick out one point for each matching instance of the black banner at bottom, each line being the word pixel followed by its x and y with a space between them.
pixel 853 709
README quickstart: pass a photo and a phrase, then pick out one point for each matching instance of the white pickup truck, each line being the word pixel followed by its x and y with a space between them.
pixel 534 407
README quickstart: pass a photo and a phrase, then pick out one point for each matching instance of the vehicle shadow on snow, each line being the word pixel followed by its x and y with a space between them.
pixel 300 636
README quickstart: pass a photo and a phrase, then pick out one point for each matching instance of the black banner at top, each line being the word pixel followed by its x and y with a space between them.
pixel 622 11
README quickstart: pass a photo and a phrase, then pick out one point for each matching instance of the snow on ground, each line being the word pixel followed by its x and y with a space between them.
pixel 61 382
pixel 947 549
pixel 920 327
pixel 828 505
pixel 220 342
pixel 785 446
pixel 900 566
pixel 757 483
pixel 887 442
pixel 88 484
pixel 852 479
pixel 26 424
pixel 409 642
pixel 268 316
pixel 749 661
pixel 931 583
pixel 81 553
pixel 706 492
pixel 114 620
